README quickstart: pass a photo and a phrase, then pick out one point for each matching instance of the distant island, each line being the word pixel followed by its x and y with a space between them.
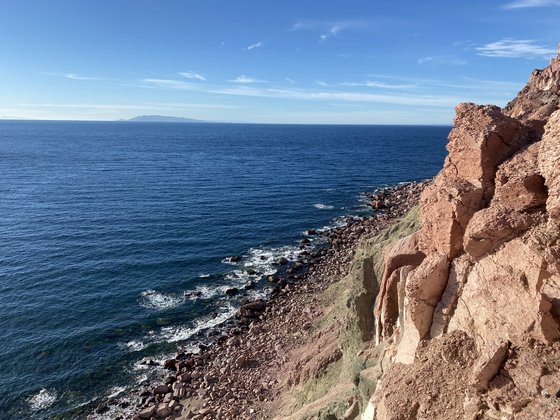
pixel 161 118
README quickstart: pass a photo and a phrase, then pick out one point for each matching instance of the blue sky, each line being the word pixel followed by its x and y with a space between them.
pixel 294 61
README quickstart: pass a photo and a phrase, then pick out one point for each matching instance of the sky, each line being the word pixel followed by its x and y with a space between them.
pixel 290 61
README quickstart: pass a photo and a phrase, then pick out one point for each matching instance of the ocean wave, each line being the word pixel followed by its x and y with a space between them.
pixel 182 333
pixel 116 391
pixel 134 345
pixel 43 399
pixel 152 299
pixel 203 276
pixel 205 292
pixel 323 206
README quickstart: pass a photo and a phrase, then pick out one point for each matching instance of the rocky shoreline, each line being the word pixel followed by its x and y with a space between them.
pixel 244 374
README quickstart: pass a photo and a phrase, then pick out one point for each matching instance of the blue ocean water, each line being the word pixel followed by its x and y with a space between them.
pixel 113 236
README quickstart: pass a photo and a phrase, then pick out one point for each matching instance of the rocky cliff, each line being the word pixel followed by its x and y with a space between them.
pixel 468 311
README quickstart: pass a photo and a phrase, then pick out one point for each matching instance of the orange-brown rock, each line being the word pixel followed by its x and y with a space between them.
pixel 519 183
pixel 492 226
pixel 539 98
pixel 549 164
pixel 490 279
pixel 446 206
pixel 401 253
pixel 424 288
pixel 481 139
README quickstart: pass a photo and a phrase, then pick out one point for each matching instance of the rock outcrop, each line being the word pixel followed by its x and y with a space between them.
pixel 469 306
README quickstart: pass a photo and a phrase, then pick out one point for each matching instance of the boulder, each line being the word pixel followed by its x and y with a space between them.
pixel 519 183
pixel 492 226
pixel 424 288
pixel 446 206
pixel 481 139
pixel 147 412
pixel 162 389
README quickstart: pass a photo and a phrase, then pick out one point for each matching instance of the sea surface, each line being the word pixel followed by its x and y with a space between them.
pixel 114 237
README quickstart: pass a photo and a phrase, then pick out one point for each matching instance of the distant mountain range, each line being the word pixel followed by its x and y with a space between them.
pixel 162 118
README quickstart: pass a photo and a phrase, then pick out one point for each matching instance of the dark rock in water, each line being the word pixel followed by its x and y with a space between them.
pixel 304 241
pixel 257 305
pixel 252 309
pixel 282 261
pixel 232 292
pixel 282 283
pixel 251 272
pixel 101 409
pixel 251 285
pixel 262 257
pixel 149 362
pixel 161 390
pixel 312 232
pixel 169 364
pixel 202 346
pixel 235 258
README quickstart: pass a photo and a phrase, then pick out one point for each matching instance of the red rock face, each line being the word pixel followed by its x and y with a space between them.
pixel 539 98
pixel 485 268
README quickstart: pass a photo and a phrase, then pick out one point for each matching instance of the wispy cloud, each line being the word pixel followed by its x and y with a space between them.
pixel 166 83
pixel 523 4
pixel 512 48
pixel 148 106
pixel 290 81
pixel 78 77
pixel 320 83
pixel 192 75
pixel 328 29
pixel 246 80
pixel 442 61
pixel 72 76
pixel 255 45
pixel 379 85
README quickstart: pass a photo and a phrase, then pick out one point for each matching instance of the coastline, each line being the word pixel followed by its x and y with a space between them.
pixel 248 371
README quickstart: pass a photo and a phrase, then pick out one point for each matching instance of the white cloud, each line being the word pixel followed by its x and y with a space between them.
pixel 166 83
pixel 512 48
pixel 192 75
pixel 72 76
pixel 442 61
pixel 255 45
pixel 149 106
pixel 246 79
pixel 78 77
pixel 523 4
pixel 380 85
pixel 290 81
pixel 424 60
pixel 320 83
pixel 328 29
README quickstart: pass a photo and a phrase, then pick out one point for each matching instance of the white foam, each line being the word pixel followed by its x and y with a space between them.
pixel 204 276
pixel 134 345
pixel 205 292
pixel 174 334
pixel 152 299
pixel 43 399
pixel 323 206
pixel 116 391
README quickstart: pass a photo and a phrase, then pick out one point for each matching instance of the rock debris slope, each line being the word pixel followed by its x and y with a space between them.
pixel 468 312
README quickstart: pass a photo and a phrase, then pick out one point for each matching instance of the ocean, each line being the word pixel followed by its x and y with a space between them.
pixel 115 237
